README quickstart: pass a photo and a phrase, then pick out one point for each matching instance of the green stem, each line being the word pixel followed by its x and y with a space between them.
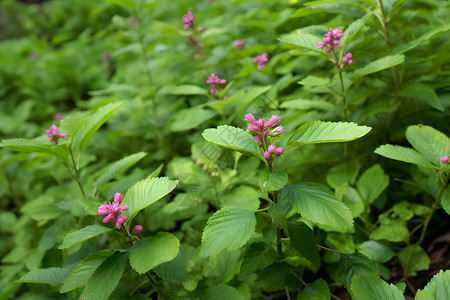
pixel 341 80
pixel 328 249
pixel 262 209
pixel 77 174
pixel 278 238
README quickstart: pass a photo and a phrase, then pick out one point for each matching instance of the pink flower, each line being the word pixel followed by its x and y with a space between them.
pixel 215 80
pixel 113 211
pixel 347 59
pixel 444 159
pixel 261 61
pixel 260 129
pixel 277 131
pixel 331 40
pixel 238 43
pixel 272 121
pixel 53 134
pixel 188 20
pixel 137 229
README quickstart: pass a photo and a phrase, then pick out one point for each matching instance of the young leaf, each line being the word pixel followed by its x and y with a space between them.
pixel 391 230
pixel 318 290
pixel 326 132
pixel 413 258
pixel 302 240
pixel 431 143
pixel 105 279
pixel 48 275
pixel 233 138
pixel 424 93
pixel 378 65
pixel 374 288
pixel 272 181
pixel 404 154
pixel 119 166
pixel 26 145
pixel 153 251
pixel 81 273
pixel 145 193
pixel 317 203
pixel 82 235
pixel 92 124
pixel 437 288
pixel 372 183
pixel 229 228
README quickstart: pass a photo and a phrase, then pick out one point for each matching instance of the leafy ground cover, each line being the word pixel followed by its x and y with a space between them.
pixel 224 149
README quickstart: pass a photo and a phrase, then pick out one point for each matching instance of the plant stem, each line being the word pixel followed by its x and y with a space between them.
pixel 278 238
pixel 325 248
pixel 77 174
pixel 341 80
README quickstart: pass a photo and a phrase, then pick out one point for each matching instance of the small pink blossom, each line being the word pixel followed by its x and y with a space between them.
pixel 53 134
pixel 261 60
pixel 347 59
pixel 277 131
pixel 331 40
pixel 57 117
pixel 188 20
pixel 137 229
pixel 113 212
pixel 267 155
pixel 271 148
pixel 279 151
pixel 238 43
pixel 444 159
pixel 215 80
pixel 200 29
pixel 260 129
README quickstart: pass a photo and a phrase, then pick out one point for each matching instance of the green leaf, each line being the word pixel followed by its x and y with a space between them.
pixel 351 198
pixel 174 270
pixel 48 275
pixel 258 256
pixel 378 65
pixel 92 124
pixel 391 230
pixel 304 104
pixel 352 31
pixel 221 292
pixel 326 132
pixel 317 203
pixel 26 145
pixel 356 264
pixel 445 200
pixel 438 288
pixel 376 251
pixel 153 251
pixel 81 273
pixel 302 240
pixel 374 288
pixel 305 41
pixel 229 228
pixel 372 183
pixel 186 119
pixel 404 154
pixel 413 258
pixel 318 290
pixel 402 48
pixel 233 138
pixel 343 173
pixel 119 167
pixel 106 277
pixel 82 235
pixel 424 93
pixel 145 193
pixel 431 143
pixel 183 90
pixel 272 181
pixel 242 196
pixel 127 3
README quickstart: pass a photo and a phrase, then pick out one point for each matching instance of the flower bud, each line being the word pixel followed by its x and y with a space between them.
pixel 267 155
pixel 137 229
pixel 444 159
pixel 271 148
pixel 279 151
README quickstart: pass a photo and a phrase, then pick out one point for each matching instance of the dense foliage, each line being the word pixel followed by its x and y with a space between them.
pixel 224 149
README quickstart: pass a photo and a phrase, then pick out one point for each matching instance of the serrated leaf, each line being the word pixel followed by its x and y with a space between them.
pixel 145 193
pixel 27 145
pixel 374 288
pixel 232 138
pixel 153 251
pixel 272 181
pixel 326 132
pixel 305 41
pixel 258 256
pixel 186 119
pixel 355 264
pixel 106 277
pixel 318 290
pixel 221 292
pixel 372 183
pixel 82 235
pixel 376 251
pixel 305 104
pixel 438 287
pixel 402 48
pixel 413 259
pixel 352 31
pixel 317 203
pixel 229 228
pixel 302 240
pixel 119 166
pixel 81 273
pixel 404 154
pixel 424 93
pixel 92 124
pixel 431 143
pixel 48 275
pixel 183 90
pixel 445 200
pixel 378 65
pixel 174 270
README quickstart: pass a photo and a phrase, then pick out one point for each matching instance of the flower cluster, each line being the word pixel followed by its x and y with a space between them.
pixel 113 211
pixel 188 20
pixel 261 60
pixel 53 134
pixel 215 80
pixel 271 150
pixel 238 43
pixel 347 59
pixel 261 130
pixel 331 40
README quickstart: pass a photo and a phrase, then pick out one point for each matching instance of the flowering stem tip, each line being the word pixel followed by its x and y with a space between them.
pixel 113 212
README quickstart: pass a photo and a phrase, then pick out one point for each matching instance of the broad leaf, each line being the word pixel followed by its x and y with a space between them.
pixel 404 154
pixel 326 132
pixel 372 183
pixel 391 230
pixel 445 200
pixel 48 275
pixel 304 104
pixel 272 181
pixel 318 290
pixel 119 166
pixel 106 277
pixel 302 240
pixel 374 288
pixel 183 90
pixel 233 138
pixel 174 270
pixel 145 193
pixel 402 48
pixel 378 65
pixel 424 93
pixel 431 143
pixel 26 145
pixel 81 273
pixel 82 235
pixel 376 251
pixel 317 203
pixel 355 264
pixel 258 256
pixel 438 288
pixel 189 118
pixel 222 292
pixel 153 251
pixel 352 31
pixel 229 228
pixel 306 41
pixel 413 259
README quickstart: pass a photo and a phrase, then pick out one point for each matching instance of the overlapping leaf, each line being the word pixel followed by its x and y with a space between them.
pixel 82 235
